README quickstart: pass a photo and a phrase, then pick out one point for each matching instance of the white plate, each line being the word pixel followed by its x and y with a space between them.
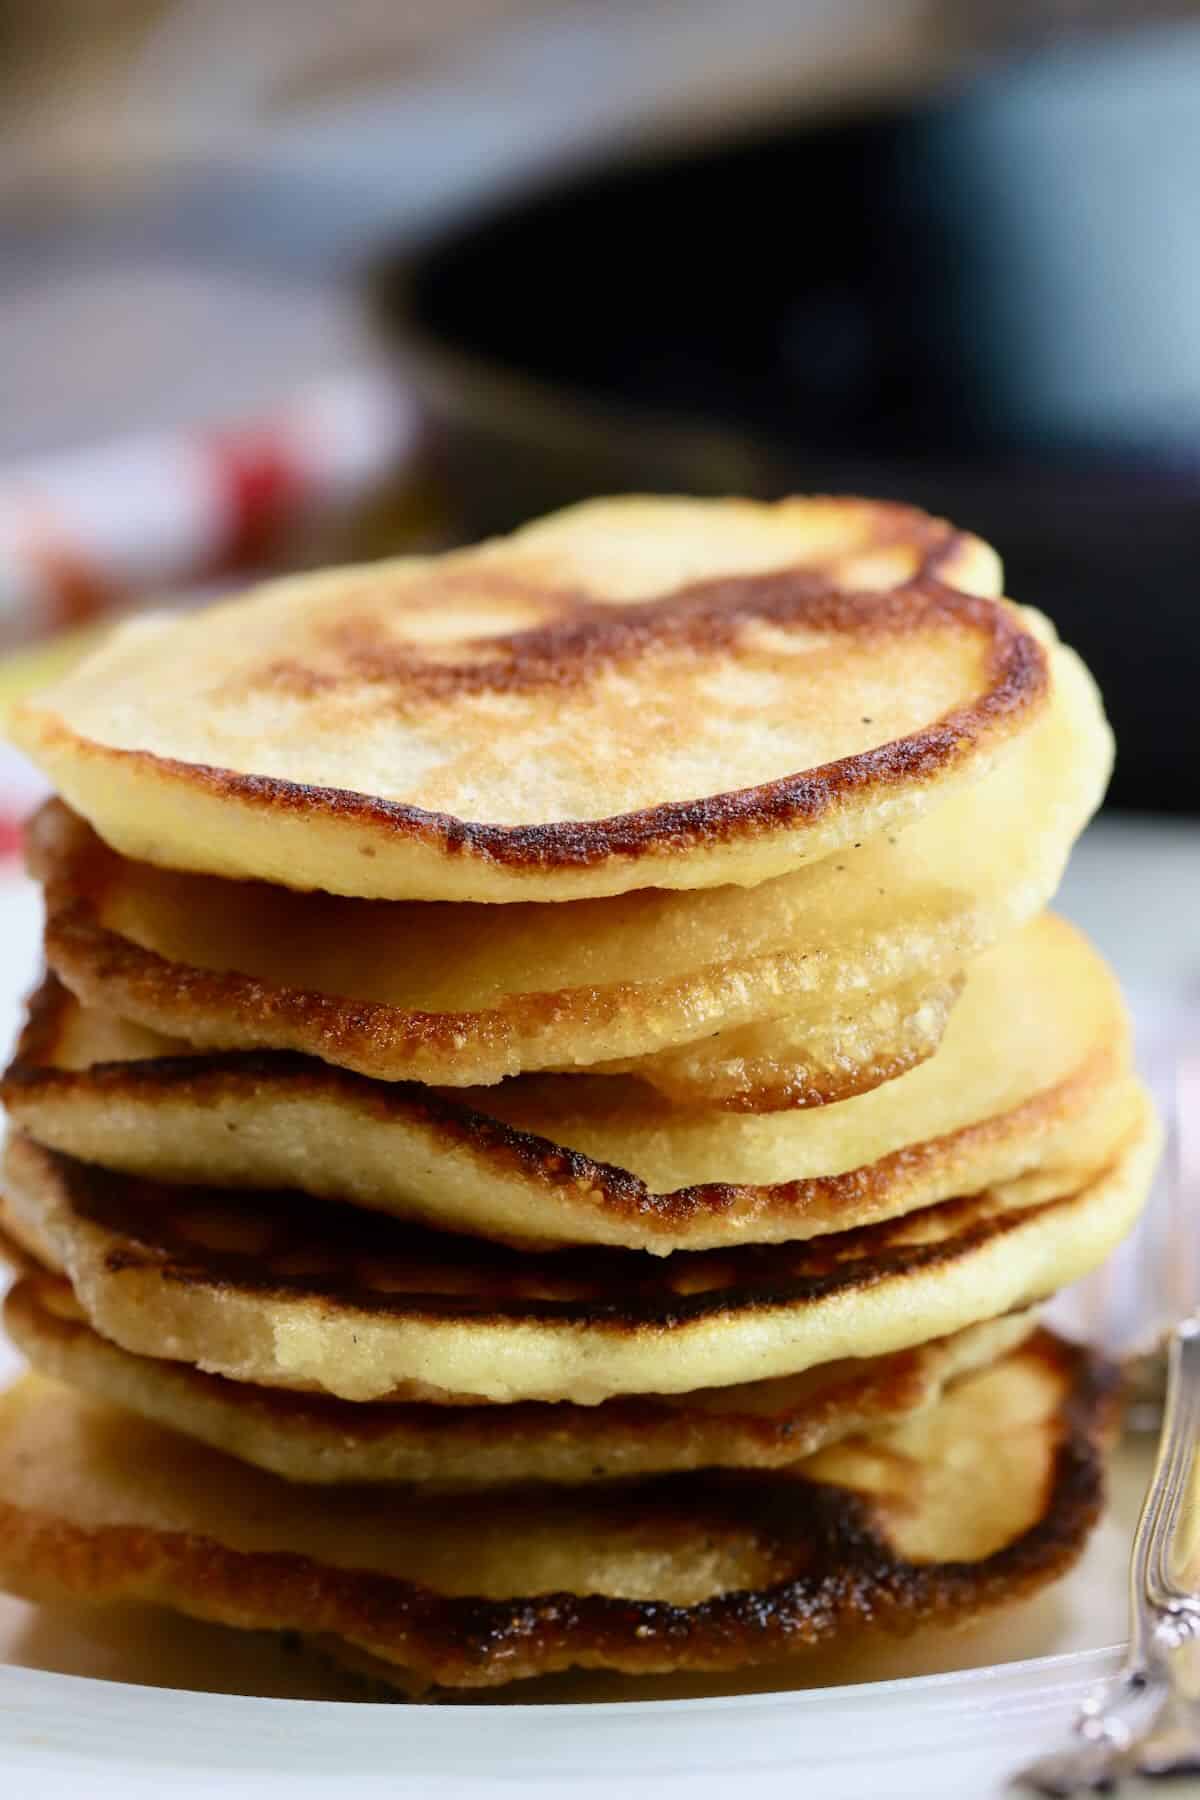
pixel 138 1703
pixel 77 1707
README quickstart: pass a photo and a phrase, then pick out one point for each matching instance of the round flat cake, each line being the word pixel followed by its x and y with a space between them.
pixel 315 1438
pixel 972 1504
pixel 635 693
pixel 282 1290
pixel 1032 1076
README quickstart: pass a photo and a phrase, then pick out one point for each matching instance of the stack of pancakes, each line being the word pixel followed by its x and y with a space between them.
pixel 554 1101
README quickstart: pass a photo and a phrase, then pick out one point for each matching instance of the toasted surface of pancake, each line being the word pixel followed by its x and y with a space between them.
pixel 304 1437
pixel 632 693
pixel 461 995
pixel 973 1503
pixel 1033 1074
pixel 286 1291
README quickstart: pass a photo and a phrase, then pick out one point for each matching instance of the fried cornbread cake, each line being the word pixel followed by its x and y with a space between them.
pixel 286 1291
pixel 315 1438
pixel 970 1505
pixel 638 693
pixel 1033 1074
pixel 555 1099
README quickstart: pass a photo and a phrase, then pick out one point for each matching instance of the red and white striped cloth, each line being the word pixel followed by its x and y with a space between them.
pixel 85 532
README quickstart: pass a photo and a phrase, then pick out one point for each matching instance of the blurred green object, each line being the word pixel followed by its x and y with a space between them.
pixel 24 671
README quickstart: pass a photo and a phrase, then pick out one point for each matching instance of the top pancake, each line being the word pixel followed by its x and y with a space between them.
pixel 634 693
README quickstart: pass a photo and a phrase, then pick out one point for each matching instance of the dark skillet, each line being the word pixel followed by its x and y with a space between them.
pixel 811 312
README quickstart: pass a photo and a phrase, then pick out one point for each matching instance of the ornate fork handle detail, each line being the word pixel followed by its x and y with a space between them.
pixel 1172 1744
pixel 1151 1722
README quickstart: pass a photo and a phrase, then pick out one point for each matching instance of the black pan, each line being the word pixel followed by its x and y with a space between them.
pixel 812 312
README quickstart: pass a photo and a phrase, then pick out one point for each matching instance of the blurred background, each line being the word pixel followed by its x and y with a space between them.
pixel 282 280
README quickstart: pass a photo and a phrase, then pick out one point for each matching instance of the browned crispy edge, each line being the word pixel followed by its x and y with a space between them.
pixel 76 869
pixel 878 1388
pixel 202 1079
pixel 838 1576
pixel 617 1291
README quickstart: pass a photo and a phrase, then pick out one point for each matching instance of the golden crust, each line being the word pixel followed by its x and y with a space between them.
pixel 705 1571
pixel 1033 1075
pixel 629 656
pixel 287 1291
pixel 312 1438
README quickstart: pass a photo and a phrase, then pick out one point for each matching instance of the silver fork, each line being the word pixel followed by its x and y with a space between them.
pixel 1148 1722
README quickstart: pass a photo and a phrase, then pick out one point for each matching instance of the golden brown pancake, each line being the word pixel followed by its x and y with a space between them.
pixel 286 1291
pixel 312 1438
pixel 972 1504
pixel 461 994
pixel 633 693
pixel 1033 1074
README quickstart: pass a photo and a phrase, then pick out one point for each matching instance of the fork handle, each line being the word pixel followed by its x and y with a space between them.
pixel 1171 1595
pixel 1170 1587
pixel 1161 1664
